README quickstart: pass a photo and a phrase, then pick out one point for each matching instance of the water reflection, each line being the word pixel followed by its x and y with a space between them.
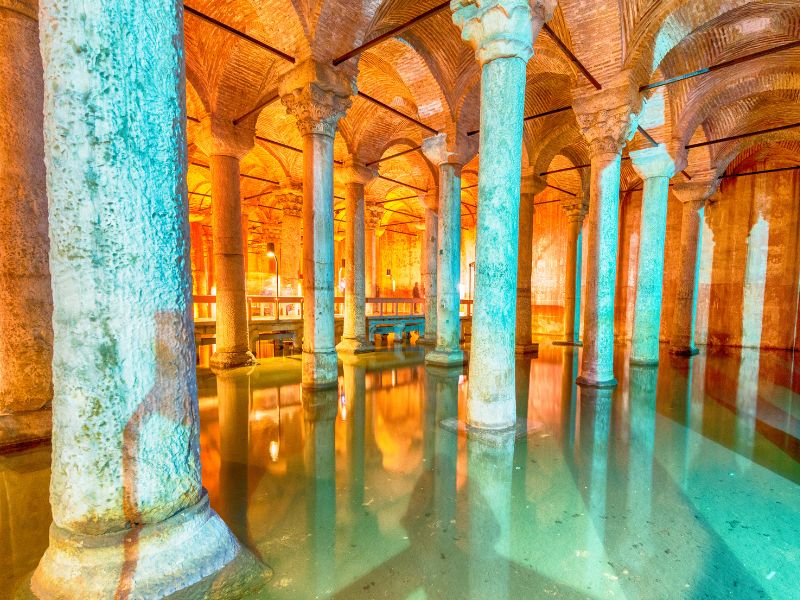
pixel 682 482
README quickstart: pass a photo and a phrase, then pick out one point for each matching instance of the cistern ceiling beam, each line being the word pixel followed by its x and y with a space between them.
pixel 761 172
pixel 236 32
pixel 403 153
pixel 723 65
pixel 742 136
pixel 391 33
pixel 397 112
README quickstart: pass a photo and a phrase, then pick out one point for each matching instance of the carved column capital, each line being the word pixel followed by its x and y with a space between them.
pixel 501 28
pixel 576 209
pixel 218 136
pixel 533 184
pixel 449 148
pixel 696 192
pixel 430 199
pixel 608 118
pixel 653 162
pixel 373 214
pixel 291 202
pixel 353 171
pixel 317 96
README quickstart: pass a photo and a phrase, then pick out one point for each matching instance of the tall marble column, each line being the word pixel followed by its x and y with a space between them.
pixel 656 167
pixel 290 201
pixel 430 251
pixel 447 152
pixel 372 220
pixel 693 196
pixel 354 176
pixel 532 185
pixel 576 209
pixel 502 33
pixel 225 146
pixel 317 95
pixel 26 330
pixel 130 515
pixel 607 119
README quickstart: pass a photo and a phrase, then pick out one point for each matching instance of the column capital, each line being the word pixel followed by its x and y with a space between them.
pixel 218 136
pixel 430 199
pixel 653 162
pixel 501 28
pixel 695 192
pixel 373 213
pixel 317 95
pixel 354 171
pixel 290 201
pixel 608 118
pixel 576 209
pixel 533 184
pixel 449 148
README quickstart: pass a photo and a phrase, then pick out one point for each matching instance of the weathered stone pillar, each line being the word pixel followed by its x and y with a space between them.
pixel 130 516
pixel 317 95
pixel 430 250
pixel 532 185
pixel 291 247
pixel 607 119
pixel 693 195
pixel 576 210
pixel 447 152
pixel 225 146
pixel 372 220
pixel 354 176
pixel 656 167
pixel 502 33
pixel 26 330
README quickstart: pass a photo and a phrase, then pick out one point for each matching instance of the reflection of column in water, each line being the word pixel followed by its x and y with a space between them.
pixel 680 377
pixel 490 465
pixel 643 381
pixel 430 423
pixel 569 401
pixel 522 379
pixel 595 424
pixel 233 400
pixel 353 413
pixel 746 405
pixel 522 382
pixel 444 384
pixel 319 412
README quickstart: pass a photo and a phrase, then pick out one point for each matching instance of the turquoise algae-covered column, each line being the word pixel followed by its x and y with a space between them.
pixel 448 151
pixel 576 209
pixel 656 167
pixel 607 119
pixel 502 33
pixel 130 516
pixel 317 95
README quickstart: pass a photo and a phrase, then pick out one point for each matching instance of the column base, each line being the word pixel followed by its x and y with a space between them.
pixel 519 429
pixel 320 370
pixel 577 343
pixel 155 561
pixel 684 351
pixel 446 358
pixel 526 349
pixel 423 341
pixel 644 362
pixel 354 346
pixel 25 428
pixel 232 360
pixel 589 382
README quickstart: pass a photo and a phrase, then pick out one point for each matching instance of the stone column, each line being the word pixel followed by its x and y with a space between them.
pixel 442 150
pixel 354 176
pixel 290 202
pixel 317 95
pixel 372 220
pixel 130 515
pixel 502 33
pixel 693 196
pixel 430 251
pixel 607 120
pixel 225 146
pixel 656 167
pixel 532 185
pixel 26 330
pixel 576 210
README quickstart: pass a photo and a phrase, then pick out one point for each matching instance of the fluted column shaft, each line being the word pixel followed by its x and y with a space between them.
pixel 656 168
pixel 130 516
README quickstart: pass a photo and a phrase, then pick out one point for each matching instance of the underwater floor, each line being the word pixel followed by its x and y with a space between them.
pixel 683 482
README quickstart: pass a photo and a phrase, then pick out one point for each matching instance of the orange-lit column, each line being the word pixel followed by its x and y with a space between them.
pixel 225 146
pixel 576 210
pixel 26 331
pixel 430 251
pixel 290 202
pixel 531 186
pixel 372 221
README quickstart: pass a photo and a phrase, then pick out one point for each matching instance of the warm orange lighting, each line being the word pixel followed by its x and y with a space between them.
pixel 274 450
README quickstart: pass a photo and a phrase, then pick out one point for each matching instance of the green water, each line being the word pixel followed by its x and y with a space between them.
pixel 683 482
